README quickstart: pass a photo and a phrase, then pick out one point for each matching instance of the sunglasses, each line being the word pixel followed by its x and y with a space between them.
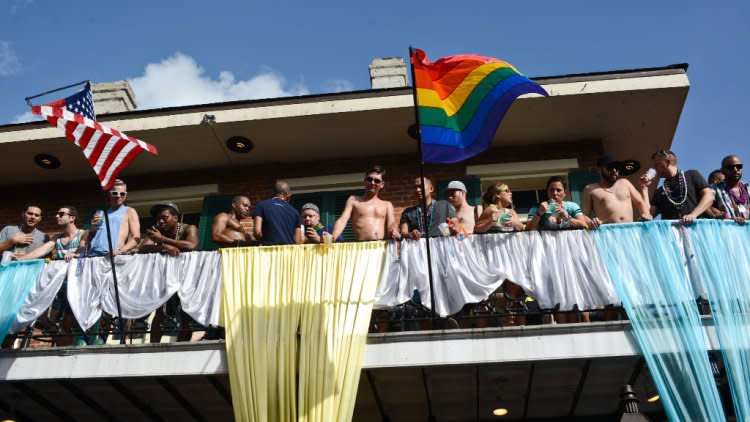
pixel 373 180
pixel 62 214
pixel 734 166
pixel 115 194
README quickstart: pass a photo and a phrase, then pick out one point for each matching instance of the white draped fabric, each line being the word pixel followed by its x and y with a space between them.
pixel 145 283
pixel 556 267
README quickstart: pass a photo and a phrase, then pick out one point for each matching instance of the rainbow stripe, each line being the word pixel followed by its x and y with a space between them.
pixel 461 101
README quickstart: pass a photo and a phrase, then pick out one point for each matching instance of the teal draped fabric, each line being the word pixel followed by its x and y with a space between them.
pixel 16 280
pixel 723 263
pixel 646 265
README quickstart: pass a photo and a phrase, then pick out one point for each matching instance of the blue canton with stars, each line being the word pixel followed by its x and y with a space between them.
pixel 81 103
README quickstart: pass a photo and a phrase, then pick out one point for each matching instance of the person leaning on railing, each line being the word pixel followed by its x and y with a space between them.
pixel 556 213
pixel 169 236
pixel 498 214
pixel 684 196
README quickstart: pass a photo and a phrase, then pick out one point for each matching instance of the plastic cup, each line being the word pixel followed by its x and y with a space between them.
pixel 651 173
pixel 444 229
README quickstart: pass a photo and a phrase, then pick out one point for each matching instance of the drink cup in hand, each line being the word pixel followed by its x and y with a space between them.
pixel 650 174
pixel 96 220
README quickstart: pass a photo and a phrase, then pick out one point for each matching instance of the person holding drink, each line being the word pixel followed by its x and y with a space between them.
pixel 498 214
pixel 313 230
pixel 556 213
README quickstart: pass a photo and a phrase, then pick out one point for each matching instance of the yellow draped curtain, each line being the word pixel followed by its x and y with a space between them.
pixel 324 292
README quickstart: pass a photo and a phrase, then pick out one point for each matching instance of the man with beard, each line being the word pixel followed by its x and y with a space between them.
pixel 233 228
pixel 732 194
pixel 612 199
pixel 413 221
pixel 25 237
pixel 372 218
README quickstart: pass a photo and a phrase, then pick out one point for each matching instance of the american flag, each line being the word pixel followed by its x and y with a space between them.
pixel 108 150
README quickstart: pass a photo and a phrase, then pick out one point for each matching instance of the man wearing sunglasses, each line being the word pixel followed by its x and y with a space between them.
pixel 372 218
pixel 123 223
pixel 732 194
pixel 612 199
pixel 25 237
pixel 68 243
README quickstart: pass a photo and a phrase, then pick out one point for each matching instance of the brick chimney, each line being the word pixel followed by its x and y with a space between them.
pixel 388 72
pixel 113 97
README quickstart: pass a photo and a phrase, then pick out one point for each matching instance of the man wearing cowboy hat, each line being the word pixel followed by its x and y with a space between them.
pixel 613 199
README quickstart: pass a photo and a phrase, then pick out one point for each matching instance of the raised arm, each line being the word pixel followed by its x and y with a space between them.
pixel 486 219
pixel 340 224
pixel 638 202
pixel 645 183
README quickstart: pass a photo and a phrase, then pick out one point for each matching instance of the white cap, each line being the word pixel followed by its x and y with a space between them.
pixel 456 185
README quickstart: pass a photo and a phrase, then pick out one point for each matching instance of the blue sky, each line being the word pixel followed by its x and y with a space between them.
pixel 183 52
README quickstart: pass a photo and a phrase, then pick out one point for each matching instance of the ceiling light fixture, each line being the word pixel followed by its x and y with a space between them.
pixel 239 144
pixel 500 411
pixel 653 398
pixel 47 161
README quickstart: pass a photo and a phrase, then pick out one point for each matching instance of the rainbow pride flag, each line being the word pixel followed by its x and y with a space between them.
pixel 461 101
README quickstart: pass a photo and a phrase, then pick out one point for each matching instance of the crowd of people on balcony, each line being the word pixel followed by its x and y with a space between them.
pixel 684 195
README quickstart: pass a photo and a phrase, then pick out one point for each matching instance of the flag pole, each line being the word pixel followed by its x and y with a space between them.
pixel 28 99
pixel 425 222
pixel 114 273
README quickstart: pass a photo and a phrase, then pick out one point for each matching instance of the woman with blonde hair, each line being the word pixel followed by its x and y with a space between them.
pixel 498 214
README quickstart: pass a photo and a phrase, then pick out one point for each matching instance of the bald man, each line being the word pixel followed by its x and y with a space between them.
pixel 276 221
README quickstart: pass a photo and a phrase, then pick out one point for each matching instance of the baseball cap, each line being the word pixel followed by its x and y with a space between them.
pixel 310 206
pixel 456 185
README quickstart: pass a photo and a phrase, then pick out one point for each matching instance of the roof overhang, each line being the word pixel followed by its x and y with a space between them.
pixel 632 113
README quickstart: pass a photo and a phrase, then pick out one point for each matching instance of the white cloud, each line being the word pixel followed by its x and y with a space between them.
pixel 26 117
pixel 179 80
pixel 338 85
pixel 9 63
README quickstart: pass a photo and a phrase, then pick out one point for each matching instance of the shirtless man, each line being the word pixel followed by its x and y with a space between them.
pixel 372 218
pixel 123 223
pixel 467 215
pixel 169 236
pixel 612 199
pixel 229 229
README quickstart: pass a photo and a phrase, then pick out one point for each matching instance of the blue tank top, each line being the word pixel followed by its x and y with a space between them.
pixel 99 242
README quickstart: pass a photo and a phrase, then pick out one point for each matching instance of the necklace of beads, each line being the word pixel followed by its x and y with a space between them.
pixel 742 197
pixel 676 191
pixel 420 220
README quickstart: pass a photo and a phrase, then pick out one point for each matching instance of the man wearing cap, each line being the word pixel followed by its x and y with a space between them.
pixel 466 214
pixel 314 231
pixel 169 235
pixel 413 221
pixel 612 199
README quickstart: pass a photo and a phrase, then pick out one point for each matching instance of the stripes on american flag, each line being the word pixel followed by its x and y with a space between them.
pixel 108 150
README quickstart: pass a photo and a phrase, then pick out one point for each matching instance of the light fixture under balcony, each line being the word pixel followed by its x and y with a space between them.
pixel 47 161
pixel 500 411
pixel 239 144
